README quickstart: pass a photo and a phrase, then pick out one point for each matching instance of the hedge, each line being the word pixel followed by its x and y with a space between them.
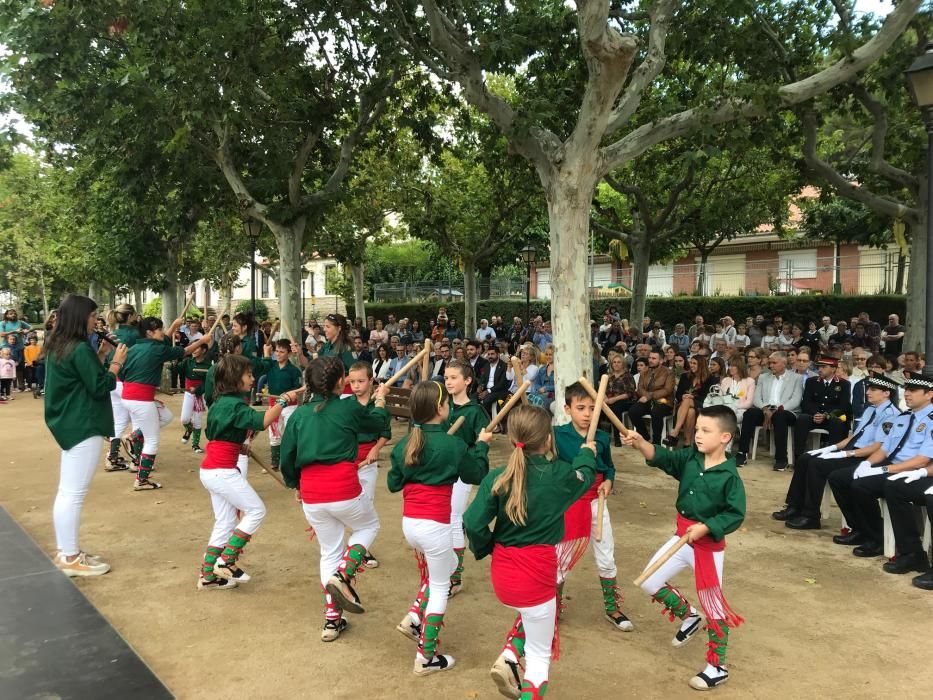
pixel 671 310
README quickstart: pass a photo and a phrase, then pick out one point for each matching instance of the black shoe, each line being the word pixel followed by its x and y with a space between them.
pixel 617 442
pixel 905 563
pixel 869 549
pixel 780 466
pixel 924 581
pixel 852 539
pixel 802 522
pixel 670 441
pixel 786 513
pixel 740 459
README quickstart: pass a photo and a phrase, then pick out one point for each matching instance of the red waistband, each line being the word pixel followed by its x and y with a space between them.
pixel 329 483
pixel 578 519
pixel 706 543
pixel 272 400
pixel 193 383
pixel 220 454
pixel 427 502
pixel 592 494
pixel 132 391
pixel 362 452
pixel 523 577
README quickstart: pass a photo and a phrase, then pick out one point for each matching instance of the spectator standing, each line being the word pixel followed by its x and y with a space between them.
pixel 484 332
pixel 679 339
pixel 392 326
pixel 769 339
pixel 841 336
pixel 453 331
pixel 16 353
pixel 7 374
pixel 893 337
pixel 543 337
pixel 417 335
pixel 826 330
pixel 812 338
pixel 728 329
pixel 755 333
pixel 12 324
pixel 697 327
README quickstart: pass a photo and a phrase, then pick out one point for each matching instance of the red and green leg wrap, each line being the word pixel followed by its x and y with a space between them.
pixel 515 641
pixel 196 437
pixel 146 465
pixel 612 595
pixel 276 453
pixel 560 599
pixel 424 592
pixel 456 578
pixel 188 428
pixel 210 558
pixel 430 634
pixel 114 449
pixel 235 546
pixel 675 605
pixel 717 634
pixel 352 561
pixel 136 443
pixel 331 610
pixel 532 692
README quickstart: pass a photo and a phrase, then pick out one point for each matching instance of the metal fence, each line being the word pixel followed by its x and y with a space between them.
pixel 440 291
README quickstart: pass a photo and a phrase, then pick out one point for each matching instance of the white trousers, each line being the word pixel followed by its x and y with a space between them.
pixel 121 416
pixel 368 474
pixel 603 552
pixel 330 522
pixel 188 414
pixel 77 470
pixel 149 417
pixel 538 622
pixel 458 503
pixel 277 429
pixel 231 492
pixel 433 539
pixel 683 559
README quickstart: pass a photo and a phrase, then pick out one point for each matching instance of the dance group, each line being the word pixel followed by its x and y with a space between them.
pixel 535 517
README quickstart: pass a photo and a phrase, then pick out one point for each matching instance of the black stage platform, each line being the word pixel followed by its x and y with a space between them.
pixel 53 641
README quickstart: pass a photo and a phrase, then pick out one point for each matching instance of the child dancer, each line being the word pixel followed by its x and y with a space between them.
pixel 142 375
pixel 710 505
pixel 319 449
pixel 458 380
pixel 194 370
pixel 527 499
pixel 281 376
pixel 367 455
pixel 122 321
pixel 580 520
pixel 238 510
pixel 425 465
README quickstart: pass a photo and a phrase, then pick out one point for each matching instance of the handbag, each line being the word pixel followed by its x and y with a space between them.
pixel 715 397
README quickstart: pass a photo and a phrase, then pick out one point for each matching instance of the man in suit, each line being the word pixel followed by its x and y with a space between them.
pixel 655 394
pixel 776 404
pixel 360 352
pixel 475 358
pixel 826 403
pixel 441 360
pixel 491 384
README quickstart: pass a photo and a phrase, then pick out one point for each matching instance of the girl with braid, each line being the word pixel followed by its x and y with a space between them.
pixel 425 465
pixel 238 510
pixel 123 324
pixel 319 449
pixel 527 500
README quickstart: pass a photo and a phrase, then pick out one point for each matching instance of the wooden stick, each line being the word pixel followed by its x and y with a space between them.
pixel 600 509
pixel 600 401
pixel 222 325
pixel 660 561
pixel 211 331
pixel 187 306
pixel 426 362
pixel 266 469
pixel 408 365
pixel 613 418
pixel 456 425
pixel 516 397
pixel 517 370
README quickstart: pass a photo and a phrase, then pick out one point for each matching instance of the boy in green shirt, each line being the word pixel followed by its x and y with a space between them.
pixel 194 371
pixel 710 505
pixel 281 376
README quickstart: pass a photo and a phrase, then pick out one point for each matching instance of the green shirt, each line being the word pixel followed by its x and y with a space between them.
pixel 77 397
pixel 328 351
pixel 386 432
pixel 231 417
pixel 145 359
pixel 327 436
pixel 444 459
pixel 280 379
pixel 256 364
pixel 569 442
pixel 196 371
pixel 248 346
pixel 550 489
pixel 714 496
pixel 475 419
pixel 128 335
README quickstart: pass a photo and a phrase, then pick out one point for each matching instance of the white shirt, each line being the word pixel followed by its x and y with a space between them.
pixel 492 375
pixel 776 384
pixel 486 333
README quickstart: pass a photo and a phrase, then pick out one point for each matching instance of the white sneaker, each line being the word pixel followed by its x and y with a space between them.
pixel 439 662
pixel 225 570
pixel 506 674
pixel 81 565
pixel 709 678
pixel 409 628
pixel 691 625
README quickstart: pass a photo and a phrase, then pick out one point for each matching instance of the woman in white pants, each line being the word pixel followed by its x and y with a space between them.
pixel 78 414
pixel 122 322
pixel 319 449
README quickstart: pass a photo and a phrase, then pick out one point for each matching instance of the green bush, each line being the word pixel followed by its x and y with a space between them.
pixel 671 310
pixel 153 307
pixel 246 306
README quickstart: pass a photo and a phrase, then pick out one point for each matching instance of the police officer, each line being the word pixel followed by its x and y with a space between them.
pixel 908 446
pixel 805 495
pixel 826 403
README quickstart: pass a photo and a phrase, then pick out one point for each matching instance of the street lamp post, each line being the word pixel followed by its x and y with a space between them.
pixel 920 79
pixel 528 255
pixel 252 229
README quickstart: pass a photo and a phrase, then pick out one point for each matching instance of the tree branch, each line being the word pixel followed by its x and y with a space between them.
pixel 223 156
pixel 879 134
pixel 298 166
pixel 640 140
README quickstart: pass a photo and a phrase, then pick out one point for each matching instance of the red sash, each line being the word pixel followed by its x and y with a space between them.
pixel 523 577
pixel 578 520
pixel 427 502
pixel 220 454
pixel 329 483
pixel 193 383
pixel 362 452
pixel 133 391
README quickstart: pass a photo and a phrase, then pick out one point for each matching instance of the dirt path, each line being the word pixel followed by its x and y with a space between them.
pixel 852 632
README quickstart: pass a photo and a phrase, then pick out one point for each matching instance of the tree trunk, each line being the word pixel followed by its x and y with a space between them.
pixel 170 307
pixel 94 291
pixel 485 283
pixel 469 298
pixel 901 273
pixel 916 286
pixel 359 292
pixel 45 296
pixel 701 274
pixel 289 240
pixel 138 300
pixel 640 248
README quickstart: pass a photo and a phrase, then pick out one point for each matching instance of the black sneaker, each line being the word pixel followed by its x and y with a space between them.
pixel 740 459
pixel 924 581
pixel 689 628
pixel 670 441
pixel 702 681
pixel 333 629
pixel 780 466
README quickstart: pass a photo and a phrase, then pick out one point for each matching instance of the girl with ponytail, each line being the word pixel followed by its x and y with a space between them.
pixel 318 457
pixel 527 499
pixel 123 322
pixel 425 465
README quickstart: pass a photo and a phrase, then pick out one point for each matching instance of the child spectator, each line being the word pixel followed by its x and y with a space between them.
pixel 30 355
pixel 7 374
